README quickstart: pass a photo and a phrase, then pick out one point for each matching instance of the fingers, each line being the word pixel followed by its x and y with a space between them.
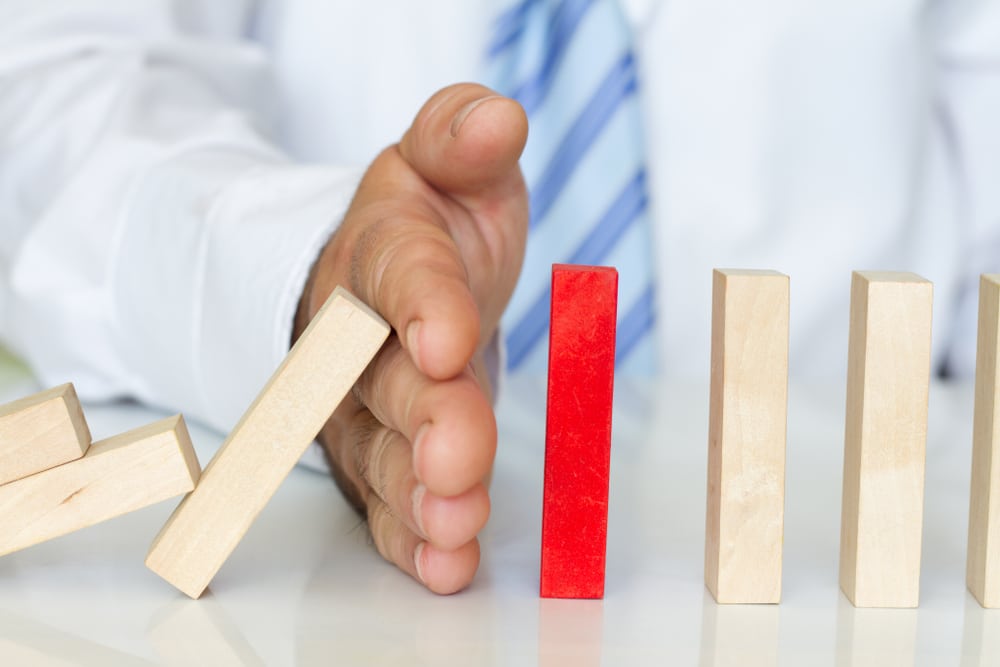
pixel 429 537
pixel 450 422
pixel 446 522
pixel 434 238
pixel 374 459
pixel 433 241
pixel 443 572
pixel 466 140
pixel 396 254
pixel 410 270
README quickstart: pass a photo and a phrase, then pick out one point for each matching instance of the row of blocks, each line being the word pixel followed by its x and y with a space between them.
pixel 53 481
pixel 885 440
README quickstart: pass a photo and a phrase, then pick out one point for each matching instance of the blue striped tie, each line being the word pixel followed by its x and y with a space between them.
pixel 570 64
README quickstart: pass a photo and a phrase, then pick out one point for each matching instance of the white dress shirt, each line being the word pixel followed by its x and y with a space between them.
pixel 169 169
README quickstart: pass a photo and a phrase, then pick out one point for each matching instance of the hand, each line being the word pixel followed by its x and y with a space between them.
pixel 433 241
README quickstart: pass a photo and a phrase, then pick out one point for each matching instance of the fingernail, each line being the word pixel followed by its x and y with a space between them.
pixel 412 337
pixel 417 553
pixel 463 113
pixel 417 504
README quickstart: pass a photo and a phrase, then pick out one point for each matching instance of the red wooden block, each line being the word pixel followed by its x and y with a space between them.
pixel 578 430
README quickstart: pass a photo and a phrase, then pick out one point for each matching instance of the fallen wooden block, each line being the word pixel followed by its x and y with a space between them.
pixel 119 475
pixel 746 436
pixel 983 560
pixel 578 431
pixel 267 442
pixel 41 431
pixel 888 380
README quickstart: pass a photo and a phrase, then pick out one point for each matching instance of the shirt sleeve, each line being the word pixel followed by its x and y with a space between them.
pixel 154 240
pixel 966 73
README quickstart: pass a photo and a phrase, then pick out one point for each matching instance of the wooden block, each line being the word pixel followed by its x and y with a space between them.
pixel 116 476
pixel 578 431
pixel 983 564
pixel 885 439
pixel 267 442
pixel 746 436
pixel 41 431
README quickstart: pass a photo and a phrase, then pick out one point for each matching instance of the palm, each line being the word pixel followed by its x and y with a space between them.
pixel 434 241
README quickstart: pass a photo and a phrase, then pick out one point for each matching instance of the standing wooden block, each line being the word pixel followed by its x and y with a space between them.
pixel 269 439
pixel 888 375
pixel 983 565
pixel 746 436
pixel 40 432
pixel 116 476
pixel 578 431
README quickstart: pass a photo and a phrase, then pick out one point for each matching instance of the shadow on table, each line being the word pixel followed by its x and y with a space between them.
pixel 358 609
pixel 199 632
pixel 25 641
pixel 570 633
pixel 745 635
pixel 875 636
pixel 980 634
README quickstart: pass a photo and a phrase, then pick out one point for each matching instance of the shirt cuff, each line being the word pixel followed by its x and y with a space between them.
pixel 209 283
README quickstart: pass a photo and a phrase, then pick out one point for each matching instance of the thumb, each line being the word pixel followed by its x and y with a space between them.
pixel 466 140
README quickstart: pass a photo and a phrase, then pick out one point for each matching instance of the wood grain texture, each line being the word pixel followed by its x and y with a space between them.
pixel 746 436
pixel 118 475
pixel 983 558
pixel 41 431
pixel 267 442
pixel 578 431
pixel 885 439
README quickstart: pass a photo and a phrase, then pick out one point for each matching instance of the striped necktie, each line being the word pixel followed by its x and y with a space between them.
pixel 571 65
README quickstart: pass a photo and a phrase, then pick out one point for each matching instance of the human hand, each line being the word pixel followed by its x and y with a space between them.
pixel 433 241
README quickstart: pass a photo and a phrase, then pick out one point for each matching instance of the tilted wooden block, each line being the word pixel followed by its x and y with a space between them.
pixel 983 564
pixel 119 475
pixel 267 442
pixel 885 439
pixel 578 431
pixel 746 436
pixel 41 431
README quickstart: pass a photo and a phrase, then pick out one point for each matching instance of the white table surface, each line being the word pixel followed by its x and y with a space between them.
pixel 305 587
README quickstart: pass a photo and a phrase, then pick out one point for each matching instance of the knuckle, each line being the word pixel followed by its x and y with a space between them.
pixel 380 522
pixel 396 243
pixel 371 462
pixel 375 387
pixel 386 532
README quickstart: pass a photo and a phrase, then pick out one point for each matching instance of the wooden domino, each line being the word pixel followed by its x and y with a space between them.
pixel 118 475
pixel 983 561
pixel 40 432
pixel 885 439
pixel 746 433
pixel 267 442
pixel 578 431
